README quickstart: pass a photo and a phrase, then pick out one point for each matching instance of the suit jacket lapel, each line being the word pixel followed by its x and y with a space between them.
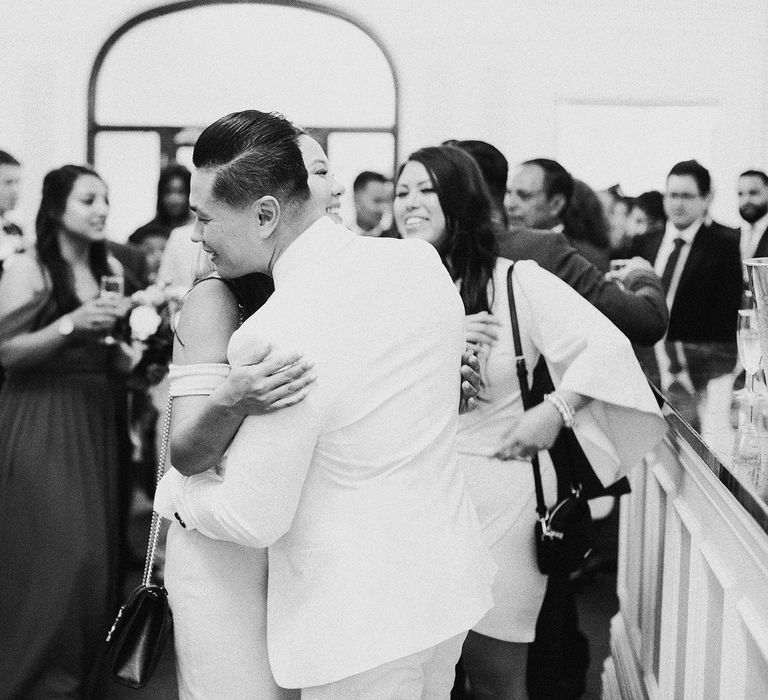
pixel 647 245
pixel 762 247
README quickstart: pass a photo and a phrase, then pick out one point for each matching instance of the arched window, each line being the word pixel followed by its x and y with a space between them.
pixel 167 73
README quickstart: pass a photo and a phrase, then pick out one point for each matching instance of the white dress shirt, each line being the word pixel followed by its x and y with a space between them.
pixel 375 550
pixel 671 233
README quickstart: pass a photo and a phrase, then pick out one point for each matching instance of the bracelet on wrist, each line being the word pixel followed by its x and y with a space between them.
pixel 563 408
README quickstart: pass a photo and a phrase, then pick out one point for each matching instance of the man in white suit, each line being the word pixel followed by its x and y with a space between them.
pixel 377 567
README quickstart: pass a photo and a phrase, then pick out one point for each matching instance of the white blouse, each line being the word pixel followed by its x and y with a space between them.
pixel 585 353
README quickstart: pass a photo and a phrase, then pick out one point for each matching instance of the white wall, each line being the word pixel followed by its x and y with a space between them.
pixel 490 69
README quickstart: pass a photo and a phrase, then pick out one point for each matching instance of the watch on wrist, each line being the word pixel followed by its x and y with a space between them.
pixel 66 325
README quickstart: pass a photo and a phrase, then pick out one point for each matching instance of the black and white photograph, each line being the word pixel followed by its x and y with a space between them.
pixel 380 350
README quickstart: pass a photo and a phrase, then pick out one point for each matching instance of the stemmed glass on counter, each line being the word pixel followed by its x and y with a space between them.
pixel 748 343
pixel 111 287
pixel 747 445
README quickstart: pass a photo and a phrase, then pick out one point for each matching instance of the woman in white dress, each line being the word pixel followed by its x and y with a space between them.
pixel 441 197
pixel 217 589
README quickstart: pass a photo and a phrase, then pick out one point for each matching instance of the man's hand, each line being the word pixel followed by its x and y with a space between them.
pixel 636 263
pixel 470 381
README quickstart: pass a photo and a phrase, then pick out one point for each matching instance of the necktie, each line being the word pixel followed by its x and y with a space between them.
pixel 669 268
pixel 675 366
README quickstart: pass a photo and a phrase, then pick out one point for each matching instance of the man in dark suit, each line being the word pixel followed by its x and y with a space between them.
pixel 698 262
pixel 541 196
pixel 752 189
pixel 635 305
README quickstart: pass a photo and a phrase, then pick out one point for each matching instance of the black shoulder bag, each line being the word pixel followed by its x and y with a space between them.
pixel 565 534
pixel 143 624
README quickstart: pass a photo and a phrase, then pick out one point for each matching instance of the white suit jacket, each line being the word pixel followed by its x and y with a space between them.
pixel 375 551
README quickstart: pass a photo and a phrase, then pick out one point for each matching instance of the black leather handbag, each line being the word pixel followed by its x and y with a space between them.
pixel 138 635
pixel 565 534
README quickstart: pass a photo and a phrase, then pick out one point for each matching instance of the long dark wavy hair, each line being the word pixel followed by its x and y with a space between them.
pixel 469 249
pixel 585 218
pixel 57 186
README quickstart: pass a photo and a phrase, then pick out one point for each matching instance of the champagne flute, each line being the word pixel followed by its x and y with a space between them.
pixel 111 287
pixel 748 343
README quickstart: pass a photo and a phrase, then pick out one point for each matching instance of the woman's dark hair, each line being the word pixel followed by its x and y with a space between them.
pixel 652 205
pixel 251 291
pixel 174 171
pixel 57 186
pixel 585 218
pixel 469 251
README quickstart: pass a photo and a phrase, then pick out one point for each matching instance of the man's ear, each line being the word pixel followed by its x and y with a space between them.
pixel 267 212
pixel 557 204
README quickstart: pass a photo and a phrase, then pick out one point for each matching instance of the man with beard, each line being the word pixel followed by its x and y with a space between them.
pixel 752 188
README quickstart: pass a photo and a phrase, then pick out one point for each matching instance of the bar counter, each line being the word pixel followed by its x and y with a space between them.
pixel 692 581
pixel 705 401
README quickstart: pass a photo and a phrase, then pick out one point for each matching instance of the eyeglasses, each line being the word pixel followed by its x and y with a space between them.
pixel 684 196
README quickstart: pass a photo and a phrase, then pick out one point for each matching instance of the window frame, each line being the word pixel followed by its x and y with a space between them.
pixel 167 134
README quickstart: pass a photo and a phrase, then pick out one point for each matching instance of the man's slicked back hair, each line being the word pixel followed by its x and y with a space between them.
pixel 253 154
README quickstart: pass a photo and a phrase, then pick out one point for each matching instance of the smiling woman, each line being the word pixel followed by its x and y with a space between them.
pixel 325 189
pixel 417 208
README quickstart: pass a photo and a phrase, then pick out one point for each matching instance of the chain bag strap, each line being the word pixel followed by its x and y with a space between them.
pixel 144 622
pixel 564 535
pixel 154 528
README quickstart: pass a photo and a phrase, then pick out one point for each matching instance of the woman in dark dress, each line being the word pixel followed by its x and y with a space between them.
pixel 58 454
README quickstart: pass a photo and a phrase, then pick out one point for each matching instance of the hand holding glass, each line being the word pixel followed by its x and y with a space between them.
pixel 111 288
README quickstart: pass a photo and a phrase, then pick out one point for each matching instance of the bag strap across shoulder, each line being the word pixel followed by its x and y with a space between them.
pixel 525 390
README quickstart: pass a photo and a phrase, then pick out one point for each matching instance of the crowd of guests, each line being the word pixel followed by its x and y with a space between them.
pixel 348 386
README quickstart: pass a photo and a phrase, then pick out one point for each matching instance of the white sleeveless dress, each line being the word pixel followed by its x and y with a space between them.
pixel 218 595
